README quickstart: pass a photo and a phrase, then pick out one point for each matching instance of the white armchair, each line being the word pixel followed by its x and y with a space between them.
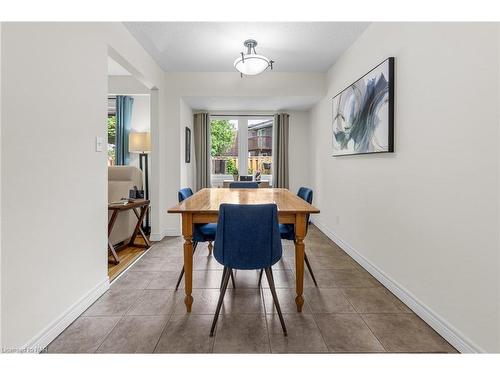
pixel 121 179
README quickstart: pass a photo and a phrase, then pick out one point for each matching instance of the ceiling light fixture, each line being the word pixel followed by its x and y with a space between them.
pixel 250 63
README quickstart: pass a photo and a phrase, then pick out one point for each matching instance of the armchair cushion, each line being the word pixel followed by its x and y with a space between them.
pixel 121 179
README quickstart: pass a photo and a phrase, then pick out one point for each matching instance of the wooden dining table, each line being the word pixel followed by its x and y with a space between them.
pixel 203 207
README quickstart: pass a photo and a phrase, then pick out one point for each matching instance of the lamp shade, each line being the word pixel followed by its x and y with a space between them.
pixel 251 64
pixel 139 142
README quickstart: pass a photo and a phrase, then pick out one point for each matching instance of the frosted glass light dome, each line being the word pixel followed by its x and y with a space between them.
pixel 252 64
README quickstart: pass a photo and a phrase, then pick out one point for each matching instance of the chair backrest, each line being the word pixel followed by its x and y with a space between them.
pixel 307 195
pixel 243 185
pixel 184 194
pixel 248 236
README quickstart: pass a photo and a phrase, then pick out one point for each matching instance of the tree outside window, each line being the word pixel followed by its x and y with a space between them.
pixel 111 139
pixel 224 147
pixel 222 137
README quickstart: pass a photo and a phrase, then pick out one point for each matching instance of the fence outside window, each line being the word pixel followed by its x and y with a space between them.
pixel 260 163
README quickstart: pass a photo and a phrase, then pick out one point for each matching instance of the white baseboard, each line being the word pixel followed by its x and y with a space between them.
pixel 156 236
pixel 456 338
pixel 54 329
pixel 165 233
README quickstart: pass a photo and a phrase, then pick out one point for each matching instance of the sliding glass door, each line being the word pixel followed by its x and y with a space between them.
pixel 260 147
pixel 224 149
pixel 241 146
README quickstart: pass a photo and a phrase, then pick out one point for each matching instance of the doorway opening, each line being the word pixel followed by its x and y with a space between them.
pixel 129 170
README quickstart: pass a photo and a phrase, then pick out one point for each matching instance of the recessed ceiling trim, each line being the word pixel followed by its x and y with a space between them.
pixel 251 104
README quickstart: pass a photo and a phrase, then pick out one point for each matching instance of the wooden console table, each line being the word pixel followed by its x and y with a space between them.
pixel 134 205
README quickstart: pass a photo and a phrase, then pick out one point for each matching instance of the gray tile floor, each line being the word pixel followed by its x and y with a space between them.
pixel 349 312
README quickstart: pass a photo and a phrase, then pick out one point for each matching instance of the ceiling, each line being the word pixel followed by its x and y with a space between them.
pixel 213 46
pixel 115 69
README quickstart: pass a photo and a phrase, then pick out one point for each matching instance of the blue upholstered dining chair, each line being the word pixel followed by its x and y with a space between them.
pixel 243 185
pixel 201 233
pixel 287 231
pixel 248 238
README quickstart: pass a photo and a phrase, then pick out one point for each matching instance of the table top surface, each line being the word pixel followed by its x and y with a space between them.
pixel 130 205
pixel 209 200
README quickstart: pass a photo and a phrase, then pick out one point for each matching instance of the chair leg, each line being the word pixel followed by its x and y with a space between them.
pixel 210 247
pixel 227 272
pixel 232 279
pixel 310 269
pixel 182 271
pixel 260 277
pixel 179 279
pixel 223 276
pixel 270 280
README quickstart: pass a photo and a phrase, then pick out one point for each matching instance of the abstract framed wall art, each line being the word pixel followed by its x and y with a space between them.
pixel 363 113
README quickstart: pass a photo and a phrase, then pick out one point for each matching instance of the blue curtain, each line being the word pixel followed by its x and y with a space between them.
pixel 123 116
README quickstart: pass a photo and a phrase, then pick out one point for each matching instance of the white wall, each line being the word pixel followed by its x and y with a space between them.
pixel 299 150
pixel 54 257
pixel 197 84
pixel 187 173
pixel 426 216
pixel 498 178
pixel 0 185
pixel 140 120
pixel 126 85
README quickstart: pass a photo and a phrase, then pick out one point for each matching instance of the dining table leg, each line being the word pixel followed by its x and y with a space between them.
pixel 300 233
pixel 187 233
